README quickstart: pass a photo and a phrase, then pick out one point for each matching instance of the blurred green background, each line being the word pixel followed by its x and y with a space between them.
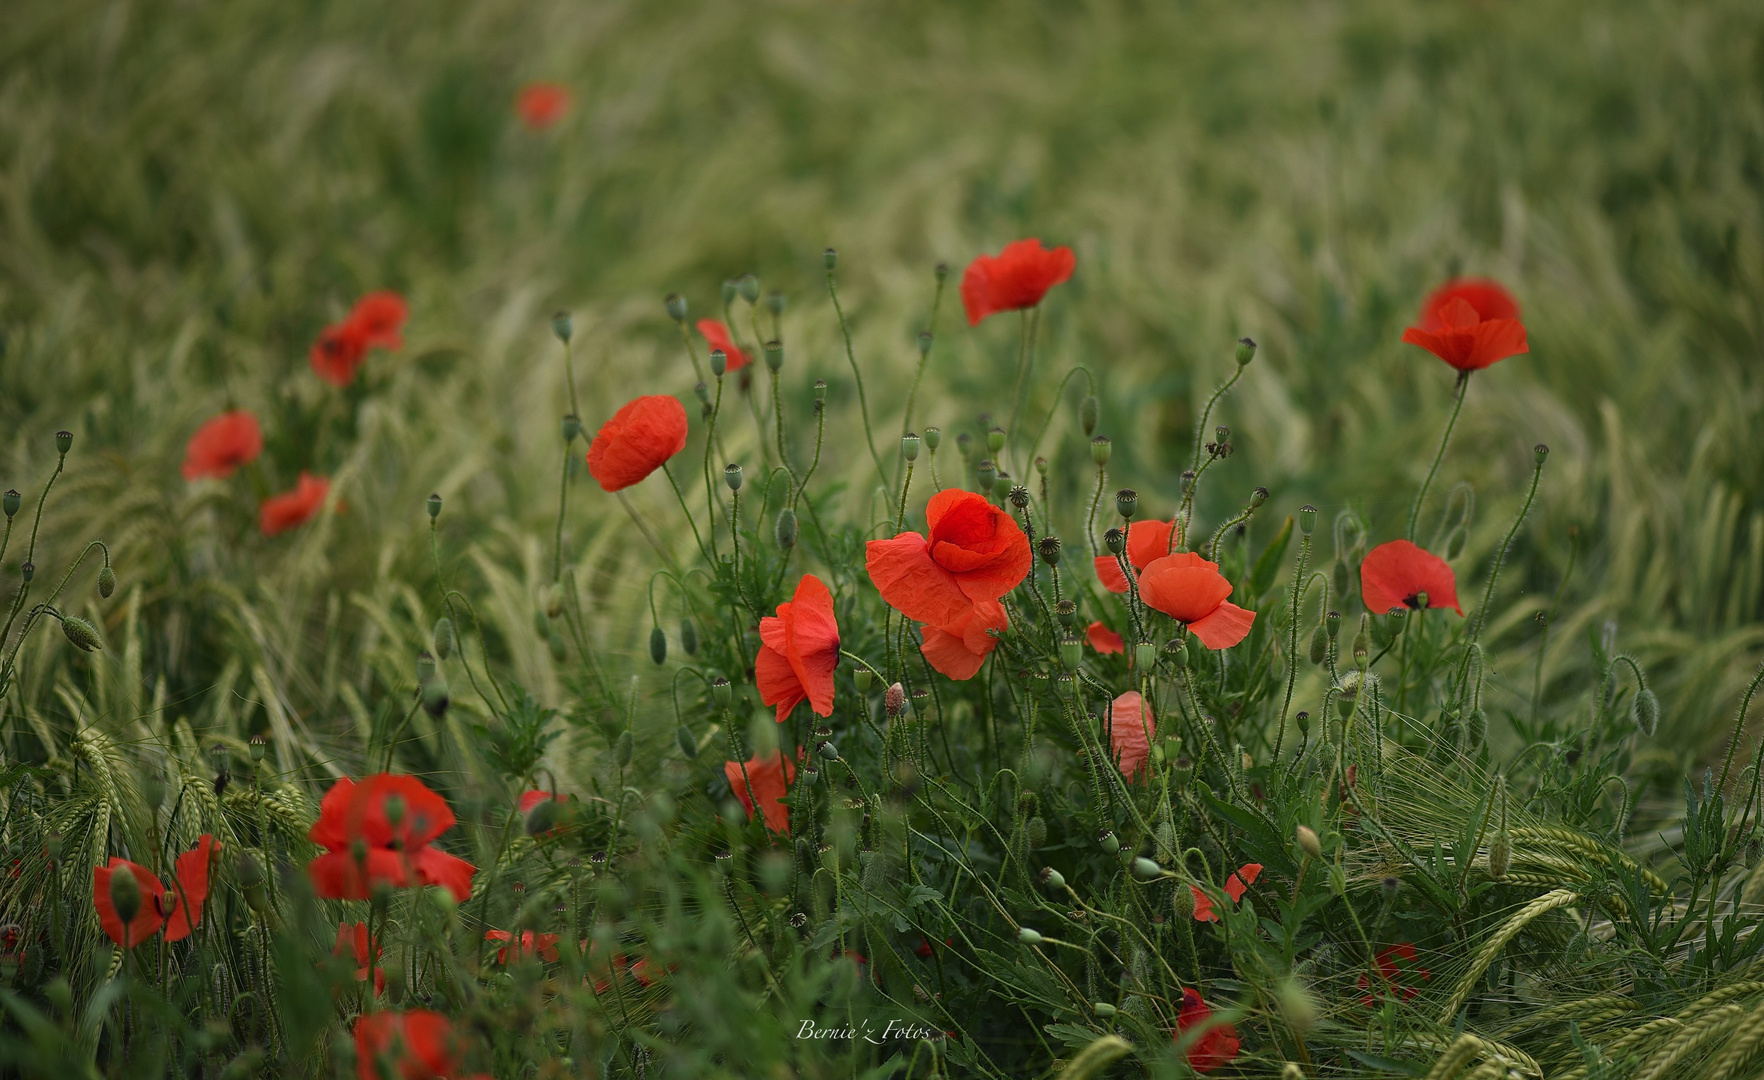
pixel 190 191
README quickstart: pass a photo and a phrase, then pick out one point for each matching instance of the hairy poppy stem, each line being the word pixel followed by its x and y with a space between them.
pixel 680 495
pixel 906 423
pixel 1031 322
pixel 1298 594
pixel 1102 476
pixel 1739 725
pixel 1494 574
pixel 1446 437
pixel 851 358
pixel 1090 383
pixel 1549 616
pixel 563 499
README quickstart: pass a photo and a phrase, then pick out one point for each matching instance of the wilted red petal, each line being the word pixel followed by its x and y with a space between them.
pixel 191 889
pixel 1131 730
pixel 638 440
pixel 279 513
pixel 1104 640
pixel 223 444
pixel 716 335
pixel 911 583
pixel 1394 574
pixel 770 779
pixel 1017 277
pixel 146 921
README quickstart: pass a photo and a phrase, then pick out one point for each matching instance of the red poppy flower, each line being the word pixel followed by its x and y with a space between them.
pixel 414 1045
pixel 353 939
pixel 542 104
pixel 1104 640
pixel 378 319
pixel 147 920
pixel 338 352
pixel 530 799
pixel 1399 574
pixel 601 972
pixel 638 440
pixel 958 650
pixel 1017 277
pixel 717 335
pixel 1235 886
pixel 1395 963
pixel 543 946
pixel 183 901
pixel 975 552
pixel 1131 729
pixel 770 779
pixel 1216 1045
pixel 1191 590
pixel 799 650
pixel 1469 323
pixel 647 972
pixel 365 847
pixel 291 509
pixel 223 444
pixel 1146 541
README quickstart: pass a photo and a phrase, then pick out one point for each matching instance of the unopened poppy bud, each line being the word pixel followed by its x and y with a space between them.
pixel 1475 728
pixel 830 259
pixel 995 439
pixel 784 529
pixel 80 632
pixel 28 571
pixel 622 748
pixel 1332 624
pixel 1363 641
pixel 747 285
pixel 434 507
pixel 1103 1010
pixel 125 894
pixel 719 362
pixel 702 392
pixel 1307 518
pixel 571 427
pixel 1146 870
pixel 1071 653
pixel 1107 841
pixel 1454 545
pixel 1308 842
pixel 106 581
pixel 257 746
pixel 1246 351
pixel 933 438
pixel 1500 854
pixel 987 473
pixel 676 305
pixel 1089 413
pixel 1539 452
pixel 1292 1071
pixel 435 699
pixel 1019 496
pixel 729 291
pixel 1067 612
pixel 909 446
pixel 658 645
pixel 894 700
pixel 563 326
pixel 719 687
pixel 64 442
pixel 1145 656
pixel 1645 712
pixel 1337 879
pixel 1258 497
pixel 10 502
pixel 1028 936
pixel 542 818
pixel 1319 645
pixel 732 476
pixel 925 341
pixel 1048 547
pixel 153 791
pixel 684 740
pixel 1052 878
pixel 1035 831
pixel 774 354
pixel 689 637
pixel 1127 503
pixel 861 679
pixel 541 621
pixel 1182 902
pixel 1115 540
pixel 1100 449
pixel 444 638
pixel 775 302
pixel 425 666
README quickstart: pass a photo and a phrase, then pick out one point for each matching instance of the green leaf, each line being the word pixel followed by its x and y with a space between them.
pixel 1267 566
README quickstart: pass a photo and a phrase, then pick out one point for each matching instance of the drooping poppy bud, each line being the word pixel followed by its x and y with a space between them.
pixel 1035 831
pixel 784 529
pixel 435 696
pixel 658 645
pixel 689 636
pixel 1319 645
pixel 1645 712
pixel 1028 936
pixel 1308 842
pixel 82 633
pixel 687 744
pixel 106 580
pixel 1089 413
pixel 1246 351
pixel 623 747
pixel 125 895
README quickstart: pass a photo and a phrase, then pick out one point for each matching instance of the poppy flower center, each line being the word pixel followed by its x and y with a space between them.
pixel 1416 601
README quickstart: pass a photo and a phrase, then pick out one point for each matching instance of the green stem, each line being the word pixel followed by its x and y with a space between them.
pixel 1031 320
pixel 906 423
pixel 1298 583
pixel 1481 621
pixel 1446 437
pixel 851 357
pixel 563 497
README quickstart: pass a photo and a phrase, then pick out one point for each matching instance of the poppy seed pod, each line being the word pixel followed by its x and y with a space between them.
pixel 1071 653
pixel 719 687
pixel 894 700
pixel 774 354
pixel 676 305
pixel 827 750
pixel 1258 497
pixel 444 638
pixel 995 439
pixel 775 302
pixel 861 679
pixel 1363 641
pixel 747 285
pixel 434 507
pixel 1246 351
pixel 1308 842
pixel 728 291
pixel 1048 547
pixel 1307 518
pixel 933 437
pixel 1089 413
pixel 1052 878
pixel 1041 467
pixel 64 442
pixel 1145 657
pixel 425 666
pixel 719 362
pixel 732 476
pixel 125 894
pixel 571 427
pixel 80 632
pixel 909 446
pixel 10 502
pixel 1100 450
pixel 28 571
pixel 1303 721
pixel 106 581
pixel 1146 870
pixel 1107 841
pixel 563 326
pixel 1019 496
pixel 1067 612
pixel 1035 831
pixel 830 259
pixel 784 529
pixel 925 341
pixel 622 748
pixel 658 645
pixel 153 791
pixel 435 699
pixel 1645 711
pixel 689 637
pixel 1332 624
pixel 987 473
pixel 257 746
pixel 965 445
pixel 1539 452
pixel 1127 503
pixel 1115 540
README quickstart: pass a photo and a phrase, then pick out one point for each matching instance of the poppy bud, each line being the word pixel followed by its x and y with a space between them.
pixel 444 639
pixel 1100 449
pixel 10 502
pixel 1646 712
pixel 925 341
pixel 622 747
pixel 861 679
pixel 1052 878
pixel 1035 831
pixel 563 326
pixel 729 291
pixel 965 444
pixel 821 397
pixel 153 791
pixel 80 632
pixel 995 439
pixel 571 427
pixel 1019 496
pixel 542 818
pixel 720 691
pixel 1500 854
pixel 435 699
pixel 64 443
pixel 1028 936
pixel 541 621
pixel 1048 547
pixel 1067 612
pixel 1538 453
pixel 688 745
pixel 676 305
pixel 1363 641
pixel 106 581
pixel 434 507
pixel 894 700
pixel 784 529
pixel 987 473
pixel 1182 902
pixel 689 637
pixel 1246 351
pixel 703 393
pixel 830 259
pixel 1258 497
pixel 1106 840
pixel 774 354
pixel 125 894
pixel 1127 503
pixel 1146 870
pixel 658 645
pixel 1115 540
pixel 1307 518
pixel 732 476
pixel 1384 630
pixel 909 446
pixel 719 362
pixel 1145 656
pixel 1319 645
pixel 1041 467
pixel 933 437
pixel 1071 653
pixel 1332 624
pixel 748 286
pixel 1454 545
pixel 1291 1070
pixel 28 571
pixel 1308 842
pixel 1089 412
pixel 1337 879
pixel 1475 728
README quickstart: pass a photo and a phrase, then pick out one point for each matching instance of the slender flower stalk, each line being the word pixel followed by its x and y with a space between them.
pixel 1439 455
pixel 857 376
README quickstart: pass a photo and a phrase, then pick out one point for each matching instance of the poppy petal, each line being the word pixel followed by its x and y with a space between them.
pixel 1104 640
pixel 912 584
pixel 1183 586
pixel 191 871
pixel 1131 729
pixel 435 867
pixel 1227 625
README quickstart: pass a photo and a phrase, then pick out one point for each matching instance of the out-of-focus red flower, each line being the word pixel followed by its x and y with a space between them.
pixel 353 940
pixel 413 1045
pixel 1398 574
pixel 1235 886
pixel 1017 277
pixel 1396 963
pixel 1146 541
pixel 379 830
pixel 378 320
pixel 1131 730
pixel 927 950
pixel 974 552
pixel 718 337
pixel 291 509
pixel 1216 1045
pixel 770 778
pixel 530 799
pixel 1191 590
pixel 799 651
pixel 183 901
pixel 542 104
pixel 223 444
pixel 647 972
pixel 147 920
pixel 601 971
pixel 543 946
pixel 1104 640
pixel 1469 323
pixel 638 440
pixel 958 650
